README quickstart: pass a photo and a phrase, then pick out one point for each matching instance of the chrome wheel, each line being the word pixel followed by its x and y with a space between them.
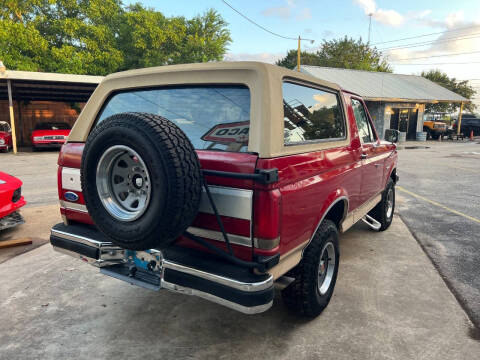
pixel 123 183
pixel 326 268
pixel 390 203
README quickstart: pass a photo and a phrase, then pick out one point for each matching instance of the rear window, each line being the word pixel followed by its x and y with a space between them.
pixel 213 117
pixel 52 126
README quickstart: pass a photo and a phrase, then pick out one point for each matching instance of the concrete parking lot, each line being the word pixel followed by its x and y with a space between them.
pixel 441 207
pixel 390 303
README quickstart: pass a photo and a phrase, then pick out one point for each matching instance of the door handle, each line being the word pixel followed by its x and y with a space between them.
pixel 377 165
pixel 363 156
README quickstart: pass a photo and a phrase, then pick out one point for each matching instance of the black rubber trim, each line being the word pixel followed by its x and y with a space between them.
pixel 82 249
pixel 212 264
pixel 263 176
pixel 244 298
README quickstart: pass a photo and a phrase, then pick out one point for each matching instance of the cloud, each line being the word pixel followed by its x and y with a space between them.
pixel 267 57
pixel 454 41
pixel 386 17
pixel 368 6
pixel 286 12
pixel 305 14
pixel 283 12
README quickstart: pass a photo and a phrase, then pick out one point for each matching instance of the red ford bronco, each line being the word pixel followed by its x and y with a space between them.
pixel 219 179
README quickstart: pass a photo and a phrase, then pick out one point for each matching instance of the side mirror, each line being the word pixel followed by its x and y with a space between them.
pixel 392 135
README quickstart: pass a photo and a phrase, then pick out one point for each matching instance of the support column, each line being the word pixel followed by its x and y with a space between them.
pixel 12 118
pixel 460 118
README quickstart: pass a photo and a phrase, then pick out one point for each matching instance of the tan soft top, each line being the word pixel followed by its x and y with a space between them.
pixel 264 81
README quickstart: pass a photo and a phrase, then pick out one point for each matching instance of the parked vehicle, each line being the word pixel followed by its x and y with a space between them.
pixel 434 129
pixel 186 178
pixel 47 135
pixel 5 136
pixel 469 123
pixel 11 200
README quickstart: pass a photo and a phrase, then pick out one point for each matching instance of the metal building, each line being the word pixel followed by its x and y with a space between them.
pixel 395 101
pixel 27 98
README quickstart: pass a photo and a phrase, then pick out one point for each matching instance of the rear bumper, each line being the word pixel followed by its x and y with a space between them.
pixel 177 269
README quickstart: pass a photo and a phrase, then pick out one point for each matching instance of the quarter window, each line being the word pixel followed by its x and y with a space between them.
pixel 310 115
pixel 364 128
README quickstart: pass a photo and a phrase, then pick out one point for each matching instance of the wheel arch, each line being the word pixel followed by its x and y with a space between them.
pixel 336 210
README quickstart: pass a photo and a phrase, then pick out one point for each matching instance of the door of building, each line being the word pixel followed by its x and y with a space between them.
pixel 412 124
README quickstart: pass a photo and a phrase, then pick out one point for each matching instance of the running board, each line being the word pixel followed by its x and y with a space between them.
pixel 370 221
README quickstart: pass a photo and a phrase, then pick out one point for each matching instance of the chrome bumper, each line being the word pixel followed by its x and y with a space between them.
pixel 171 270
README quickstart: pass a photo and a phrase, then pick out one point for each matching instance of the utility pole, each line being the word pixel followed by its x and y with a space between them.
pixel 12 118
pixel 369 26
pixel 298 55
pixel 299 50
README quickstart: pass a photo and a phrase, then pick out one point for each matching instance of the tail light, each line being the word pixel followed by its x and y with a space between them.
pixel 266 230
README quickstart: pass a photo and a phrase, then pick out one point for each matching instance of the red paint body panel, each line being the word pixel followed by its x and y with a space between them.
pixel 309 183
pixel 48 133
pixel 7 137
pixel 71 155
pixel 231 225
pixel 7 206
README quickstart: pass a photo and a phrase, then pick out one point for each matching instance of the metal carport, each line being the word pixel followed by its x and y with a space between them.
pixel 16 86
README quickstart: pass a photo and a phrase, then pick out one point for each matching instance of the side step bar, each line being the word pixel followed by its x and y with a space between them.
pixel 370 221
pixel 177 269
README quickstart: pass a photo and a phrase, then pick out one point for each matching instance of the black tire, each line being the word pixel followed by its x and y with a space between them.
pixel 303 295
pixel 175 179
pixel 429 135
pixel 380 212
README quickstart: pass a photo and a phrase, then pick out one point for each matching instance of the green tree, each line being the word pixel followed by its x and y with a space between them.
pixel 98 37
pixel 344 53
pixel 459 87
pixel 306 58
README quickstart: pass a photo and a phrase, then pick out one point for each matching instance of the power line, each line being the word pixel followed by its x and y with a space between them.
pixel 432 56
pixel 424 35
pixel 262 27
pixel 454 63
pixel 406 46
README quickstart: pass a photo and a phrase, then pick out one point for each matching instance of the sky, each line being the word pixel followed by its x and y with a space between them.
pixel 455 26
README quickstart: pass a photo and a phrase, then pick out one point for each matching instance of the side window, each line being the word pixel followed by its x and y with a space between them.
pixel 364 128
pixel 310 114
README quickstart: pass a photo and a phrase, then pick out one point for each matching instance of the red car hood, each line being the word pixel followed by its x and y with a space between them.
pixel 8 182
pixel 3 134
pixel 50 132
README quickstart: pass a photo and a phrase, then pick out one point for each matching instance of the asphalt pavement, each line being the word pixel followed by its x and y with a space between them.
pixel 439 200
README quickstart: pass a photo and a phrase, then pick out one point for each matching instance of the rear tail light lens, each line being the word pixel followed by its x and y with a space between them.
pixel 17 194
pixel 267 219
